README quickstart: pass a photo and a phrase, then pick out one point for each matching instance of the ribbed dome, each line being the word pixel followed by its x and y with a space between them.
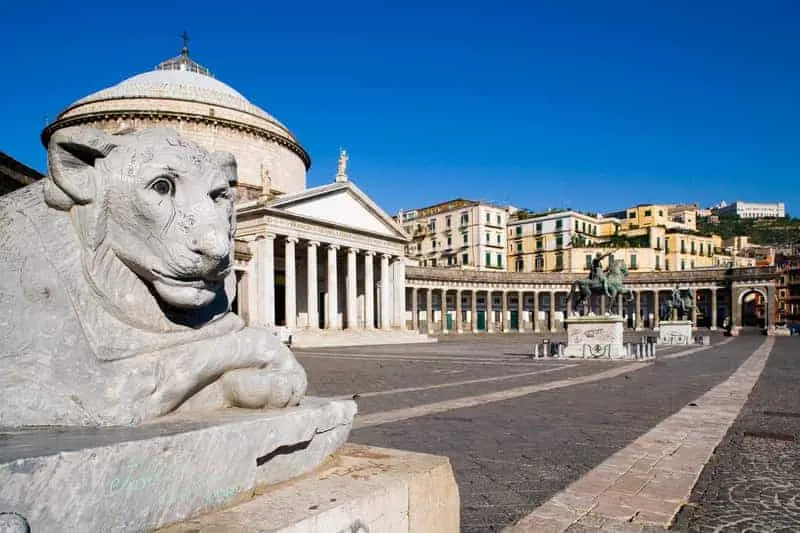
pixel 179 85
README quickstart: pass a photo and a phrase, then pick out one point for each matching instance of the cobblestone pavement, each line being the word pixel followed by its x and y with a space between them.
pixel 753 481
pixel 510 456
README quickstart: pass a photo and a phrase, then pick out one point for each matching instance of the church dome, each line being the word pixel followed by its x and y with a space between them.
pixel 182 94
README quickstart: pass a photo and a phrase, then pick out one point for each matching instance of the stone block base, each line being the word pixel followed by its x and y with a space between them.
pixel 135 479
pixel 591 337
pixel 675 332
pixel 360 489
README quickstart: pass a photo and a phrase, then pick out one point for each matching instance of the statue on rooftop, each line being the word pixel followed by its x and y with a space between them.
pixel 116 283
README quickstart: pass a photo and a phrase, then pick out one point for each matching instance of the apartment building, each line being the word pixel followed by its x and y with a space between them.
pixel 646 237
pixel 546 242
pixel 458 234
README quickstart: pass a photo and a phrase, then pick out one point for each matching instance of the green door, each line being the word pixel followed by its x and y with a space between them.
pixel 449 321
pixel 514 320
pixel 481 320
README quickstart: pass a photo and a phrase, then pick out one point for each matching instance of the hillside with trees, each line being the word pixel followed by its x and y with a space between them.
pixel 765 231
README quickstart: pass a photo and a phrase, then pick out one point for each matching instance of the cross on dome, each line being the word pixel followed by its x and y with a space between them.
pixel 183 62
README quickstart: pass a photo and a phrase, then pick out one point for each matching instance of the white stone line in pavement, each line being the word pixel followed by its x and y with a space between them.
pixel 452 383
pixel 460 360
pixel 649 481
pixel 397 415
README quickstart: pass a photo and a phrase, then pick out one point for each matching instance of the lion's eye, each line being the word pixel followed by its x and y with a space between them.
pixel 162 186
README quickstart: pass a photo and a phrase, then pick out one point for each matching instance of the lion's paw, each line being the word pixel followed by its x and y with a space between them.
pixel 255 388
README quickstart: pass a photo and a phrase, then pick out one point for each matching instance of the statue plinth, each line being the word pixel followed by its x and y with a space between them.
pixel 675 332
pixel 595 337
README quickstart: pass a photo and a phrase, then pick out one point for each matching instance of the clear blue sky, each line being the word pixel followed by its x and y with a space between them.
pixel 594 105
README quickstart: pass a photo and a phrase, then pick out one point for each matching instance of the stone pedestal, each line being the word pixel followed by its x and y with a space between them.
pixel 361 489
pixel 675 332
pixel 135 479
pixel 592 337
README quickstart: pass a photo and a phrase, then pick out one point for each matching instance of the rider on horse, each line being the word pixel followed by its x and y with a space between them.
pixel 597 274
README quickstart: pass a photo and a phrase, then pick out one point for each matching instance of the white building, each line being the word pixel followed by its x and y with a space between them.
pixel 753 210
pixel 457 233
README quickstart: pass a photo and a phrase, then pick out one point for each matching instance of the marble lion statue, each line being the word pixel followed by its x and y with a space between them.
pixel 116 284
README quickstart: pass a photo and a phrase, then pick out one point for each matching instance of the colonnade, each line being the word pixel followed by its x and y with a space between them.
pixel 541 310
pixel 324 285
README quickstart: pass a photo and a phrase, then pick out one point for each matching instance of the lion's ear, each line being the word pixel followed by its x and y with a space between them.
pixel 71 158
pixel 227 163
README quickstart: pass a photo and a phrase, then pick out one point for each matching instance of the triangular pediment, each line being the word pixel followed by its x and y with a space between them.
pixel 342 204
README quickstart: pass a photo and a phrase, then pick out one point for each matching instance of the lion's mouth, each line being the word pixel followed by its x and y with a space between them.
pixel 212 279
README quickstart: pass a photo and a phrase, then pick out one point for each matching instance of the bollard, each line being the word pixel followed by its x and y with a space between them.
pixel 535 351
pixel 706 340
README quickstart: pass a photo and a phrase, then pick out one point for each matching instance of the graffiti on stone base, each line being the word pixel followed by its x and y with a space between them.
pixel 673 338
pixel 596 350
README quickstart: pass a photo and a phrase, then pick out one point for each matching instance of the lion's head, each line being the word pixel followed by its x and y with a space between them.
pixel 161 204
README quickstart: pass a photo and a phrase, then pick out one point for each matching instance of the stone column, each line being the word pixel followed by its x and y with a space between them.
pixel 656 310
pixel 489 312
pixel 552 312
pixel 769 308
pixel 713 308
pixel 290 294
pixel 311 285
pixel 694 310
pixel 265 280
pixel 535 312
pixel 459 324
pixel 351 297
pixel 443 309
pixel 736 309
pixel 399 269
pixel 386 310
pixel 415 309
pixel 637 322
pixel 369 291
pixel 331 314
pixel 504 310
pixel 602 304
pixel 474 312
pixel 429 311
pixel 521 311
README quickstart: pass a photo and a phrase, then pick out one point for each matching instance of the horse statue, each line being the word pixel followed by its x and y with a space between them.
pixel 683 304
pixel 610 285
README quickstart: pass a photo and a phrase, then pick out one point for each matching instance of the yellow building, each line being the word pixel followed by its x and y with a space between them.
pixel 647 238
pixel 545 242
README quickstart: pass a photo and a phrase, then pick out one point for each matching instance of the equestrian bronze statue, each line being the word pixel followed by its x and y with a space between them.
pixel 608 283
pixel 683 305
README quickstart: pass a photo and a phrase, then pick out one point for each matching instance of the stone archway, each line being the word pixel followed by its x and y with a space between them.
pixel 754 308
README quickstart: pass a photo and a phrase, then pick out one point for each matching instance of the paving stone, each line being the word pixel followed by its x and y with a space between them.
pixel 753 483
pixel 512 456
